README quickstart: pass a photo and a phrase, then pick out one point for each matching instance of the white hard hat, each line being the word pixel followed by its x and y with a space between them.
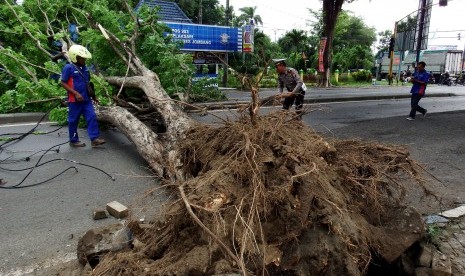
pixel 78 50
pixel 277 61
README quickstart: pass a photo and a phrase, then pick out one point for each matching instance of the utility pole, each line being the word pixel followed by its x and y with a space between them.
pixel 226 61
pixel 420 31
pixel 200 12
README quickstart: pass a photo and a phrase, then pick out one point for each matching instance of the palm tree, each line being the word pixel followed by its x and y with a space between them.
pixel 248 14
pixel 261 43
pixel 295 40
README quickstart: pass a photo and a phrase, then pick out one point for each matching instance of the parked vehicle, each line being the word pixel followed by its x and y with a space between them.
pixel 432 79
pixel 437 62
pixel 445 79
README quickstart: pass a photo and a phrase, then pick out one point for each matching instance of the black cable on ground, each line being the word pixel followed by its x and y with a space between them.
pixel 36 184
pixel 27 158
pixel 60 159
pixel 38 164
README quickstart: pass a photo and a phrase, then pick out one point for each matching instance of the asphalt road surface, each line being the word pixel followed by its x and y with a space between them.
pixel 327 116
pixel 41 225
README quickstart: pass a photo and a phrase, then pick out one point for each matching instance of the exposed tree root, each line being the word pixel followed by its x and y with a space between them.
pixel 273 197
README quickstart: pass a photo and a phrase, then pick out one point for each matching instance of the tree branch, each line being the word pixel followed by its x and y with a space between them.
pixel 27 30
pixel 112 40
pixel 30 73
pixel 135 35
pixel 27 62
pixel 132 82
pixel 125 76
pixel 5 69
pixel 38 101
pixel 49 26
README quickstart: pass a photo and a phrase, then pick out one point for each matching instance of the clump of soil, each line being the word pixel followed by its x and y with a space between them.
pixel 275 197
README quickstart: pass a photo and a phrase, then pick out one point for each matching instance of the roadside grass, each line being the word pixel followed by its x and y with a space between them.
pixel 433 233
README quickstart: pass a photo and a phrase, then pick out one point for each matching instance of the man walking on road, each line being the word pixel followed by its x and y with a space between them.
pixel 420 80
pixel 289 78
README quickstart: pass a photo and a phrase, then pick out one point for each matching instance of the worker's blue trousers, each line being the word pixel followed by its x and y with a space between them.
pixel 74 113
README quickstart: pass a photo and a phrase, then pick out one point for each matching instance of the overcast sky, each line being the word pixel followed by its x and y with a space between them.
pixel 279 16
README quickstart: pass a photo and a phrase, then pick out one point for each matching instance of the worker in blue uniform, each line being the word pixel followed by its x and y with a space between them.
pixel 75 79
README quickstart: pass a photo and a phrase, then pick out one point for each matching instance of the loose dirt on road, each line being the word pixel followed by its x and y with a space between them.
pixel 277 197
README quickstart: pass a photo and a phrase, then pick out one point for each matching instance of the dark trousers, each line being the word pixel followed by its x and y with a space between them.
pixel 75 110
pixel 298 100
pixel 415 107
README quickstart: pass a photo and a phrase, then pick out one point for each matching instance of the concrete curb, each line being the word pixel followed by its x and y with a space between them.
pixel 16 118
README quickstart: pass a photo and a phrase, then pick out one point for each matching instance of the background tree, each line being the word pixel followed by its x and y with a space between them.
pixel 264 48
pixel 351 47
pixel 355 57
pixel 295 42
pixel 247 15
pixel 383 42
pixel 408 24
pixel 350 30
pixel 212 12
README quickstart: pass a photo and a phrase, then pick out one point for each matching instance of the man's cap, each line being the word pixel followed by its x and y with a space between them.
pixel 278 61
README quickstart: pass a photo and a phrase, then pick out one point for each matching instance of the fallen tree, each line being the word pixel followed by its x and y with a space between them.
pixel 262 195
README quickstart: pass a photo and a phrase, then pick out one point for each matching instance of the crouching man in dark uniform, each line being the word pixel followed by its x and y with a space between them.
pixel 289 79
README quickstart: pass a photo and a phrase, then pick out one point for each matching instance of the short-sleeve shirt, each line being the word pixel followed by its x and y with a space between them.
pixel 77 81
pixel 420 88
pixel 290 80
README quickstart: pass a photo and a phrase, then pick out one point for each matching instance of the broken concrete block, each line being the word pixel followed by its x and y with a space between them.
pixel 117 209
pixel 401 229
pixel 99 241
pixel 454 213
pixel 441 265
pixel 99 214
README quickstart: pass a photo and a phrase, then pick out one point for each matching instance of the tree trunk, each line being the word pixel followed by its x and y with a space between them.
pixel 175 120
pixel 147 142
pixel 157 149
pixel 331 10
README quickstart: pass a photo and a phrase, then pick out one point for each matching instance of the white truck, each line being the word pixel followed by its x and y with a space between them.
pixel 437 62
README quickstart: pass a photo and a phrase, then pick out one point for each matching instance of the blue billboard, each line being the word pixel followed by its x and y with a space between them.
pixel 207 38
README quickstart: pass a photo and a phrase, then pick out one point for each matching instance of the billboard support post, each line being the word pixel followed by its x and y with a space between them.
pixel 226 61
pixel 420 31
